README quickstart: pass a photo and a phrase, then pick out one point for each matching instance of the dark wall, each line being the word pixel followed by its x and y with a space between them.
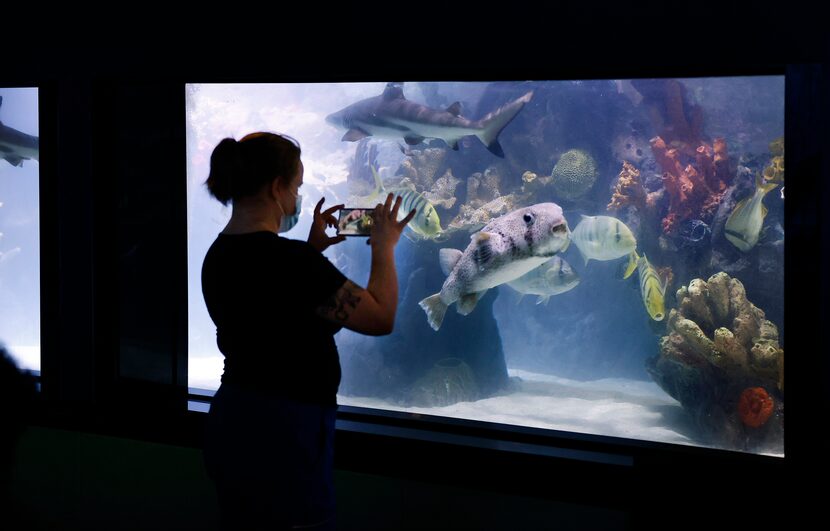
pixel 114 269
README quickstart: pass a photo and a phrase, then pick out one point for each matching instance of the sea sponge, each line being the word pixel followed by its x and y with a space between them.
pixel 719 307
pixel 574 174
pixel 719 344
pixel 755 407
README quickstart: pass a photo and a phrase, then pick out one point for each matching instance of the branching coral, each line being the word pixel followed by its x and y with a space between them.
pixel 629 191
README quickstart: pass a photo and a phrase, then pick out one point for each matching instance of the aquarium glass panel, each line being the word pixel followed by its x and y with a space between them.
pixel 599 256
pixel 20 226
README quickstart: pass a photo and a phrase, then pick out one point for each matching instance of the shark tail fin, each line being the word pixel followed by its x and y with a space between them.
pixel 492 124
pixel 435 310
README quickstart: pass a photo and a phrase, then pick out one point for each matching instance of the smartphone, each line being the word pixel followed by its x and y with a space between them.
pixel 355 221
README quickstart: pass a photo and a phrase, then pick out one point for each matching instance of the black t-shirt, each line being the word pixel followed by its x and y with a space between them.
pixel 261 291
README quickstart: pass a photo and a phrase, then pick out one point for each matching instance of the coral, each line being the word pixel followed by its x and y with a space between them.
pixel 442 192
pixel 449 381
pixel 695 190
pixel 629 191
pixel 718 344
pixel 472 219
pixel 630 148
pixel 774 172
pixel 574 174
pixel 421 166
pixel 673 115
pixel 755 407
pixel 483 187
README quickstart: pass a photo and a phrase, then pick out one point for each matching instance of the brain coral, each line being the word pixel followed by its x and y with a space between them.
pixel 574 174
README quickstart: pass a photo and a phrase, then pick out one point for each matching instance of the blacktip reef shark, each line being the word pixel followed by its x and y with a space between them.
pixel 15 146
pixel 391 115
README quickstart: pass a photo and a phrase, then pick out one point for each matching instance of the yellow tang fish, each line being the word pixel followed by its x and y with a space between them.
pixel 744 224
pixel 652 288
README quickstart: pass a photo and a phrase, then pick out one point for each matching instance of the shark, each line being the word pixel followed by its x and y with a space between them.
pixel 391 115
pixel 15 146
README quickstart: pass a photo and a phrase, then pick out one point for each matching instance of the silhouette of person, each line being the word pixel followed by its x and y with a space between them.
pixel 277 304
pixel 17 398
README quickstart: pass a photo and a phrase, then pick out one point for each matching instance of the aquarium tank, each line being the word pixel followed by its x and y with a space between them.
pixel 20 226
pixel 603 257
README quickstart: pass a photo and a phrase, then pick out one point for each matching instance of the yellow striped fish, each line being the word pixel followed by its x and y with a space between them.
pixel 743 228
pixel 426 223
pixel 652 288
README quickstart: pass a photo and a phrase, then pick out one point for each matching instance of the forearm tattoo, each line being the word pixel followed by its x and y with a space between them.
pixel 342 303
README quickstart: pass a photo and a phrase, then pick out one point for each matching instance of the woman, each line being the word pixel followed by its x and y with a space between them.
pixel 277 304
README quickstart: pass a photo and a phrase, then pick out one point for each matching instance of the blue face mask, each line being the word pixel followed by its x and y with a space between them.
pixel 288 222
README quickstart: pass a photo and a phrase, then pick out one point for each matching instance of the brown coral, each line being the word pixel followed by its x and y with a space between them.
pixel 715 321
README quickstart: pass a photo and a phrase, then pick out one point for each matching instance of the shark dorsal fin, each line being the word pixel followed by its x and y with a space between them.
pixel 393 91
pixel 455 109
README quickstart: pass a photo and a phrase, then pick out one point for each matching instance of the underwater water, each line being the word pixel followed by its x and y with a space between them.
pixel 20 226
pixel 599 256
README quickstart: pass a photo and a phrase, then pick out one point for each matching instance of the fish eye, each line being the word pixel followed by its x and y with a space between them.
pixel 528 218
pixel 561 273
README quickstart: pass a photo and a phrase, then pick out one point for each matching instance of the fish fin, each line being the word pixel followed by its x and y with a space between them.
pixel 455 109
pixel 378 182
pixel 492 124
pixel 738 208
pixel 764 211
pixel 14 160
pixel 353 135
pixel 448 259
pixel 435 310
pixel 633 260
pixel 483 251
pixel 393 91
pixel 409 236
pixel 413 140
pixel 543 298
pixel 467 303
pixel 519 299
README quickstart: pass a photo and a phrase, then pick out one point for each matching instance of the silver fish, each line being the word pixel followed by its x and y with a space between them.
pixel 504 250
pixel 391 115
pixel 551 278
pixel 603 238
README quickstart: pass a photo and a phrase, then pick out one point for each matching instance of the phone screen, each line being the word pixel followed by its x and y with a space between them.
pixel 355 221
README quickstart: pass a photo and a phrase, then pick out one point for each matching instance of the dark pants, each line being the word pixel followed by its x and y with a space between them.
pixel 271 460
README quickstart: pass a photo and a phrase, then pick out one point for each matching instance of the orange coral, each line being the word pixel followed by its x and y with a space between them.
pixel 629 190
pixel 696 190
pixel 672 113
pixel 755 407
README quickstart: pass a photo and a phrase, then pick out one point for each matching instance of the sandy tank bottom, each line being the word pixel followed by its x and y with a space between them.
pixel 612 407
